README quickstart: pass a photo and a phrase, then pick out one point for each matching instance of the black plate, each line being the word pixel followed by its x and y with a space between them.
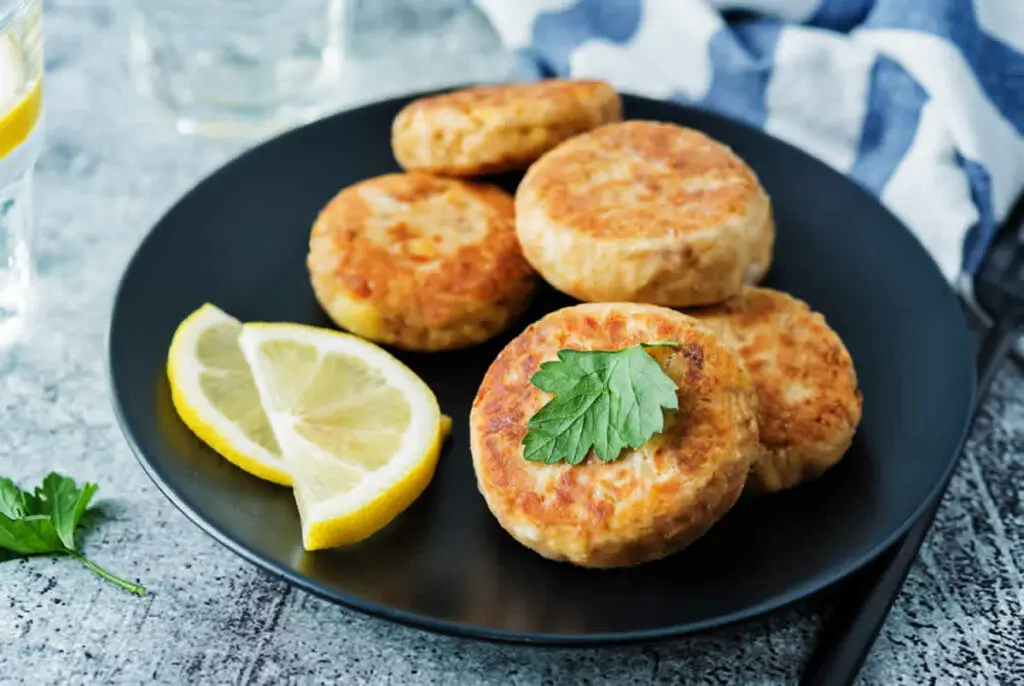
pixel 239 239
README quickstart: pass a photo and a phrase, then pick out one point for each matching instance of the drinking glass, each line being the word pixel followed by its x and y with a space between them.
pixel 21 72
pixel 237 67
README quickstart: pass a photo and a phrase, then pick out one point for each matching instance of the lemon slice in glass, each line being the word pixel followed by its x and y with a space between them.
pixel 20 97
pixel 360 432
pixel 213 392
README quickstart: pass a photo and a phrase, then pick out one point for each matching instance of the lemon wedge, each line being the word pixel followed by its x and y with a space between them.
pixel 214 394
pixel 360 432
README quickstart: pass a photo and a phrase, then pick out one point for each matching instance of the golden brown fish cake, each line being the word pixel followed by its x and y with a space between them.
pixel 497 128
pixel 645 212
pixel 764 248
pixel 653 500
pixel 419 262
pixel 809 404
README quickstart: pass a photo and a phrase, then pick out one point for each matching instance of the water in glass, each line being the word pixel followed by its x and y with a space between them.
pixel 21 68
pixel 237 66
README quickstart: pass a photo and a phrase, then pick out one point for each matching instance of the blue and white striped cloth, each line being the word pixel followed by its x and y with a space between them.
pixel 920 101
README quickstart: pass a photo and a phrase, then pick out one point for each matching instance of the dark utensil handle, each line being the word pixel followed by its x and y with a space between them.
pixel 854 624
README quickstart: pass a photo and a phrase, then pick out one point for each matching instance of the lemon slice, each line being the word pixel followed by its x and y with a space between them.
pixel 20 98
pixel 213 392
pixel 360 432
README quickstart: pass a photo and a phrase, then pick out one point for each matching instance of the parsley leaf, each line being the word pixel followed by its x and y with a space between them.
pixel 29 535
pixel 65 504
pixel 45 521
pixel 605 400
pixel 12 500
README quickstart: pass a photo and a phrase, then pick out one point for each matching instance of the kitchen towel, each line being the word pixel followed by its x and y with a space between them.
pixel 920 101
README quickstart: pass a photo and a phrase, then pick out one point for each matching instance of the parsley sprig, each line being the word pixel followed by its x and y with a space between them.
pixel 45 521
pixel 605 400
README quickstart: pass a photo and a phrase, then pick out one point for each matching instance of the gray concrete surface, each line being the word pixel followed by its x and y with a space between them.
pixel 110 168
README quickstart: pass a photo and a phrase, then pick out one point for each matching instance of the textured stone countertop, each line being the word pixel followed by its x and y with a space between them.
pixel 111 166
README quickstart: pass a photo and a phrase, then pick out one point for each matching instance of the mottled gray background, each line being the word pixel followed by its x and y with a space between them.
pixel 111 167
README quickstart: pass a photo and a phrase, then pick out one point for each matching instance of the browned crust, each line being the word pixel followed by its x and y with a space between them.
pixel 645 212
pixel 497 128
pixel 653 500
pixel 643 179
pixel 809 403
pixel 426 297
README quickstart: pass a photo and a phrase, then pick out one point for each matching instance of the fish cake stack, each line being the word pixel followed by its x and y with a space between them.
pixel 663 234
pixel 428 259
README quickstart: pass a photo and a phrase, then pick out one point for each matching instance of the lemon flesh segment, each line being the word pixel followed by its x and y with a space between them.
pixel 20 94
pixel 215 396
pixel 360 432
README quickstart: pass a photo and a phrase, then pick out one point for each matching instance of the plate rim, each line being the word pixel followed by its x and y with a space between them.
pixel 482 633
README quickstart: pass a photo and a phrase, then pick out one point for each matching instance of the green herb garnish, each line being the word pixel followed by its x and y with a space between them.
pixel 605 400
pixel 45 521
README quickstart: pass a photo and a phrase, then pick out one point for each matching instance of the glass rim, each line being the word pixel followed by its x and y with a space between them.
pixel 11 9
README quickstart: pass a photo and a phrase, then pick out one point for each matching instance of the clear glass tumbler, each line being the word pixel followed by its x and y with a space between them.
pixel 21 74
pixel 238 67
